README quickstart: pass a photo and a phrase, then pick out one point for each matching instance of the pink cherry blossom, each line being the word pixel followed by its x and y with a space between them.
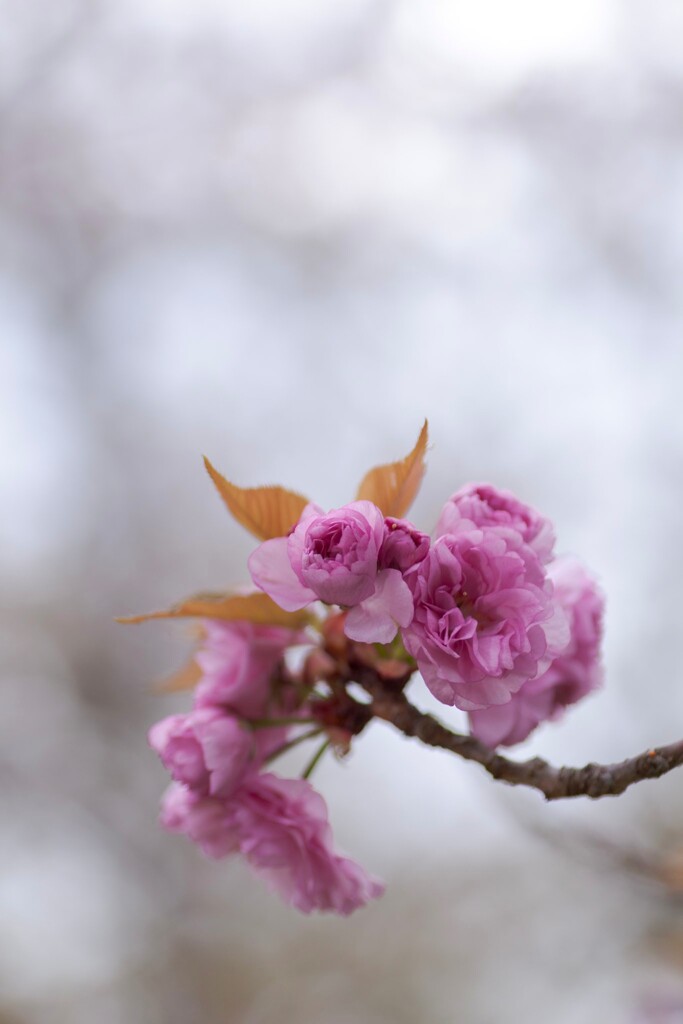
pixel 206 749
pixel 281 828
pixel 338 554
pixel 485 620
pixel 335 558
pixel 237 661
pixel 486 505
pixel 272 564
pixel 576 672
pixel 286 838
pixel 206 820
pixel 331 557
pixel 403 545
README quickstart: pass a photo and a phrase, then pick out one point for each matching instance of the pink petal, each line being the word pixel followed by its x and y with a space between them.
pixel 491 725
pixel 227 748
pixel 376 619
pixel 272 571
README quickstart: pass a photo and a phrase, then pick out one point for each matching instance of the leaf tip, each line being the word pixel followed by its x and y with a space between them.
pixel 393 486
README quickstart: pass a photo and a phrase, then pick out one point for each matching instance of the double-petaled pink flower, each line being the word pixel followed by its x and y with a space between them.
pixel 486 505
pixel 286 837
pixel 576 672
pixel 223 801
pixel 485 620
pixel 346 557
pixel 281 827
pixel 207 750
pixel 237 660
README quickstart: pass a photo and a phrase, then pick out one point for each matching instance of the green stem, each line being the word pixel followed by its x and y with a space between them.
pixel 310 767
pixel 292 743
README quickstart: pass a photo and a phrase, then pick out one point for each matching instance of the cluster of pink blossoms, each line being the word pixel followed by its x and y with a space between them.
pixel 496 625
pixel 223 798
pixel 491 618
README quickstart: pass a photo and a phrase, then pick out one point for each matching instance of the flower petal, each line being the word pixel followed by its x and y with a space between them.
pixel 376 620
pixel 271 570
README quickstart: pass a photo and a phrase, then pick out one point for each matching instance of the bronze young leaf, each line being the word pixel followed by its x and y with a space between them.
pixel 257 607
pixel 394 486
pixel 266 512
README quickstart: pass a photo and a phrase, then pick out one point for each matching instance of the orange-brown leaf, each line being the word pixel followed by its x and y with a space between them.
pixel 256 607
pixel 266 512
pixel 185 679
pixel 394 486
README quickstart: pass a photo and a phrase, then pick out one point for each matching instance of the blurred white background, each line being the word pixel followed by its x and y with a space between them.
pixel 282 233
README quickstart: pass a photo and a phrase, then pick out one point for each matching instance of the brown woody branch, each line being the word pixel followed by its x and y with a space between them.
pixel 592 780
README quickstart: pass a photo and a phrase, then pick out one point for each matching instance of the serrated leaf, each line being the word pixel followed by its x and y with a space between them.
pixel 267 512
pixel 257 607
pixel 394 486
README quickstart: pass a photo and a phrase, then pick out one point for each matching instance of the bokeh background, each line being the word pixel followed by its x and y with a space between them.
pixel 281 233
